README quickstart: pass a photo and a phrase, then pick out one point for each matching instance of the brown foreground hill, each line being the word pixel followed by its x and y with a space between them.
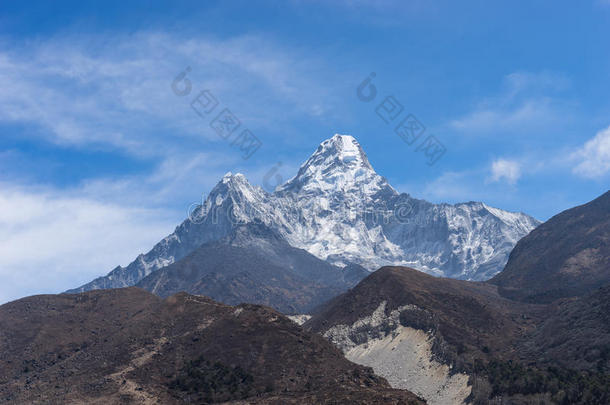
pixel 129 346
pixel 469 343
pixel 467 318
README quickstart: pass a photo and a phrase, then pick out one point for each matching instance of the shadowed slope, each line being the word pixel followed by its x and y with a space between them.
pixel 567 256
pixel 255 265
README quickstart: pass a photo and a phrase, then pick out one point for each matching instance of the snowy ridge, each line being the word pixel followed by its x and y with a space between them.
pixel 338 166
pixel 340 210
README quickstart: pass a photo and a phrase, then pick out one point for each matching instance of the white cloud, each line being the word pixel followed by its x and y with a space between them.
pixel 528 113
pixel 519 82
pixel 50 242
pixel 594 156
pixel 508 170
pixel 475 184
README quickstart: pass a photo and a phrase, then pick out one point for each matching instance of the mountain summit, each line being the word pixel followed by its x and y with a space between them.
pixel 338 165
pixel 340 210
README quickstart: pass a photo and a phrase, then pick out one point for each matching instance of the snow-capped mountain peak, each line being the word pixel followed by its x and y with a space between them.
pixel 344 150
pixel 338 165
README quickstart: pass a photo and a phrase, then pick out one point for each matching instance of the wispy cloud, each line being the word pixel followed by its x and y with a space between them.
pixel 172 183
pixel 525 103
pixel 467 185
pixel 452 186
pixel 115 92
pixel 51 241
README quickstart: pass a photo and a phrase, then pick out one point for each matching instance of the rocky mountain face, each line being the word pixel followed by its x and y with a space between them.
pixel 421 332
pixel 340 210
pixel 254 264
pixel 129 346
pixel 567 256
pixel 454 341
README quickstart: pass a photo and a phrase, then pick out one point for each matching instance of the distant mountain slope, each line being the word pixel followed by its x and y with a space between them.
pixel 569 255
pixel 340 210
pixel 129 346
pixel 450 341
pixel 254 265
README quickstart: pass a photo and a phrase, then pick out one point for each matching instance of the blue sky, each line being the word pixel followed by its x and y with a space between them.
pixel 99 159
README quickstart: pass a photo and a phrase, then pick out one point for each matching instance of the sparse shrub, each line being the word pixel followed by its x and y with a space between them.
pixel 202 381
pixel 565 386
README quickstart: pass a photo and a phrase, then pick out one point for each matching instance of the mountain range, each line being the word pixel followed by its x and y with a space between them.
pixel 341 211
